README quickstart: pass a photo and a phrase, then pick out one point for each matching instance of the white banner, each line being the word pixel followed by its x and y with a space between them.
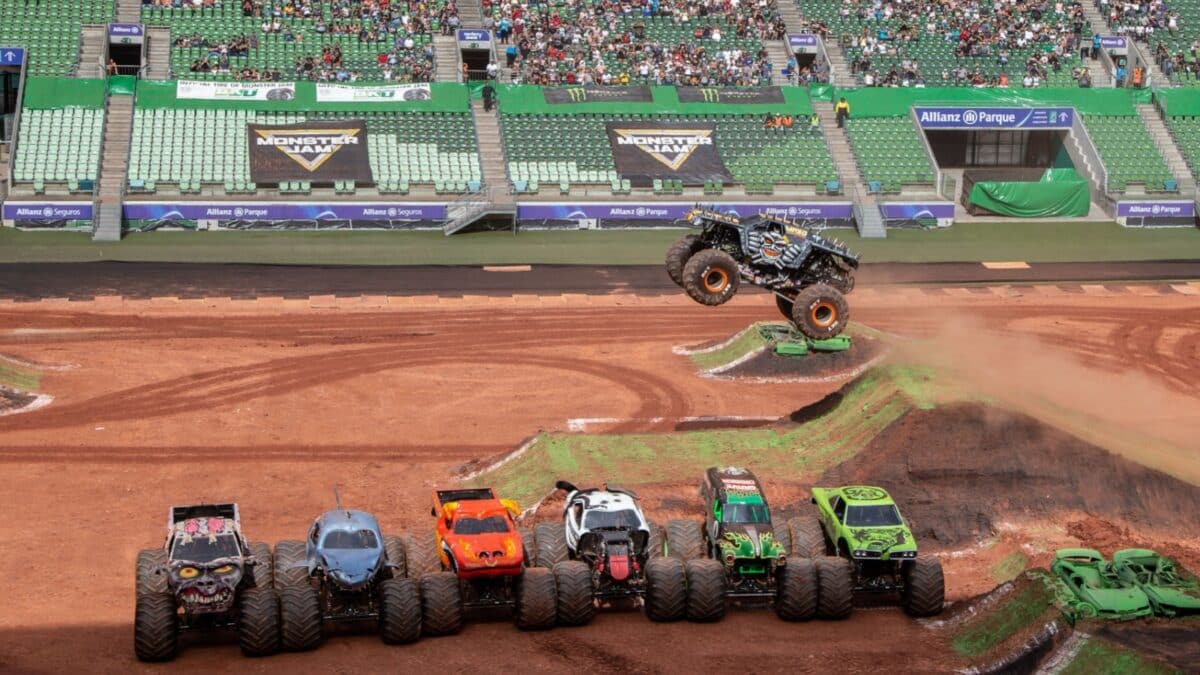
pixel 235 91
pixel 385 93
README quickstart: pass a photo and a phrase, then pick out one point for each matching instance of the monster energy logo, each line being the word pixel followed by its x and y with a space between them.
pixel 710 94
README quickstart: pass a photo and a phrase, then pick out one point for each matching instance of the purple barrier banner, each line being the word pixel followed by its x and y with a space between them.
pixel 994 118
pixel 1113 42
pixel 802 40
pixel 282 211
pixel 125 29
pixel 47 210
pixel 1156 209
pixel 675 211
pixel 917 210
pixel 473 35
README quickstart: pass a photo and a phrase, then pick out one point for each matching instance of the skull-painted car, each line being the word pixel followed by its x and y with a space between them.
pixel 206 576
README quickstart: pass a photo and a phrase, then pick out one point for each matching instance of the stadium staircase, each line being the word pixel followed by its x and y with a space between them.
pixel 158 53
pixel 790 13
pixel 866 207
pixel 91 52
pixel 1166 145
pixel 470 14
pixel 496 198
pixel 113 162
pixel 129 11
pixel 777 54
pixel 445 58
pixel 1099 25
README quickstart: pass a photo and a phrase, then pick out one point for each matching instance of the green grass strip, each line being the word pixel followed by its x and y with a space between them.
pixel 1099 657
pixel 1016 612
pixel 1008 568
pixel 16 377
pixel 750 340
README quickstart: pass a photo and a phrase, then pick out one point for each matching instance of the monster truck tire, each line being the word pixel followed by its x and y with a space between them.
pixel 258 621
pixel 654 543
pixel 299 617
pixel 287 555
pixel 441 604
pixel 685 539
pixel 528 546
pixel 820 312
pixel 262 572
pixel 784 305
pixel 151 571
pixel 679 253
pixel 156 627
pixel 835 595
pixel 421 555
pixel 399 611
pixel 807 539
pixel 537 599
pixel 797 590
pixel 783 537
pixel 924 587
pixel 574 580
pixel 705 590
pixel 666 591
pixel 393 548
pixel 551 544
pixel 711 277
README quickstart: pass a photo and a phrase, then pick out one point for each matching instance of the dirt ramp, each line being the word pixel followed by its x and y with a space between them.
pixel 959 469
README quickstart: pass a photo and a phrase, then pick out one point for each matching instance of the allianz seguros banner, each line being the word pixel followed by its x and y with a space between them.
pixel 686 151
pixel 319 152
pixel 733 95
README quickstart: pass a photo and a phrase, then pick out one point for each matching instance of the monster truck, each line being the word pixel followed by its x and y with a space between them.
pixel 874 548
pixel 605 549
pixel 477 560
pixel 206 576
pixel 346 570
pixel 809 274
pixel 1099 591
pixel 737 553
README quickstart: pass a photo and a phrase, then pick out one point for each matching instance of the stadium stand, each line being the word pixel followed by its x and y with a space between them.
pixel 58 140
pixel 1129 152
pixel 1171 32
pixel 889 152
pixel 50 30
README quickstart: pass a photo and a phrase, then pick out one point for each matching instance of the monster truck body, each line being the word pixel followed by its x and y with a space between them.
pixel 206 576
pixel 476 535
pixel 1098 590
pixel 810 274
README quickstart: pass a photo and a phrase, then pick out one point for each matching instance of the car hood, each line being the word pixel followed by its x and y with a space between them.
pixel 745 540
pixel 351 568
pixel 486 550
pixel 881 539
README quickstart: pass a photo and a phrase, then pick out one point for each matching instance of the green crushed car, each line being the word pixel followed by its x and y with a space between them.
pixel 1098 591
pixel 1170 593
pixel 862 526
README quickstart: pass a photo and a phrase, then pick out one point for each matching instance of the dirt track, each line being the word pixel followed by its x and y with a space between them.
pixel 271 406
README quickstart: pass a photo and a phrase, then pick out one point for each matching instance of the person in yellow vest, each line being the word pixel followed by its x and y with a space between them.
pixel 842 111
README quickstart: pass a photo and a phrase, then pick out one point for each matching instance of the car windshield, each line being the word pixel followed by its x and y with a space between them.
pixel 882 515
pixel 488 525
pixel 203 549
pixel 600 520
pixel 745 513
pixel 343 539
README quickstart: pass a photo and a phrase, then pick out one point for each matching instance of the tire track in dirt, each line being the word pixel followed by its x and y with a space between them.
pixel 242 453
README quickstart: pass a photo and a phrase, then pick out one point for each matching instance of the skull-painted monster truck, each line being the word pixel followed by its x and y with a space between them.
pixel 809 274
pixel 206 576
pixel 476 559
pixel 345 571
pixel 874 548
pixel 738 552
pixel 605 549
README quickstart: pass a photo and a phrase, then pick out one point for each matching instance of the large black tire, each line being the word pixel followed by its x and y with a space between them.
pixel 820 312
pixel 156 627
pixel 575 604
pixel 783 536
pixel 287 555
pixel 537 599
pixel 666 592
pixel 258 620
pixel 835 597
pixel 300 617
pixel 654 543
pixel 441 604
pixel 924 587
pixel 784 305
pixel 711 277
pixel 807 539
pixel 679 253
pixel 551 544
pixel 796 586
pixel 151 571
pixel 393 548
pixel 422 555
pixel 262 572
pixel 705 590
pixel 399 611
pixel 528 546
pixel 685 539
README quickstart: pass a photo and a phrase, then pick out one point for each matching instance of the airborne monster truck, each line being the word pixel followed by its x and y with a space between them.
pixel 738 553
pixel 809 274
pixel 862 525
pixel 346 570
pixel 205 577
pixel 477 559
pixel 605 549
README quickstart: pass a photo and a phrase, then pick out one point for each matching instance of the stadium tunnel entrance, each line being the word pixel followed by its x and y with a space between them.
pixel 10 82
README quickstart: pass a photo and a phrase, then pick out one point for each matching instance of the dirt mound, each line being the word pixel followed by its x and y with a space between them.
pixel 815 366
pixel 960 469
pixel 12 401
pixel 1175 642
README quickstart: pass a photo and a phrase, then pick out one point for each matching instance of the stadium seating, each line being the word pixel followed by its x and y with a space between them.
pixel 1177 43
pixel 1186 131
pixel 1128 151
pixel 58 146
pixel 889 153
pixel 50 30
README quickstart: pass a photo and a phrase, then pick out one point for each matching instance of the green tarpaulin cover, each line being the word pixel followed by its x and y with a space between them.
pixel 1060 192
pixel 121 85
pixel 892 102
pixel 527 99
pixel 50 93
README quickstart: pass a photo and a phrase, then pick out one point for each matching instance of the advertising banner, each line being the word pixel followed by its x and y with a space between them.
pixel 386 93
pixel 994 118
pixel 47 210
pixel 235 91
pixel 320 152
pixel 1156 209
pixel 1114 43
pixel 687 151
pixel 225 211
pixel 676 211
pixel 473 38
pixel 917 210
pixel 802 43
pixel 640 94
pixel 12 56
pixel 729 95
pixel 125 33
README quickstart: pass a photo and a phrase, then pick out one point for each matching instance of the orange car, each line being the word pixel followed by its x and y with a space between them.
pixel 476 536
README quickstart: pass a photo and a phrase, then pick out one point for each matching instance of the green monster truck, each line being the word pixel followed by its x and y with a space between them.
pixel 739 554
pixel 862 526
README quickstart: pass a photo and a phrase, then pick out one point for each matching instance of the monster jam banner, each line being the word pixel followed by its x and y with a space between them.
pixel 639 94
pixel 685 151
pixel 235 91
pixel 388 93
pixel 319 152
pixel 729 95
